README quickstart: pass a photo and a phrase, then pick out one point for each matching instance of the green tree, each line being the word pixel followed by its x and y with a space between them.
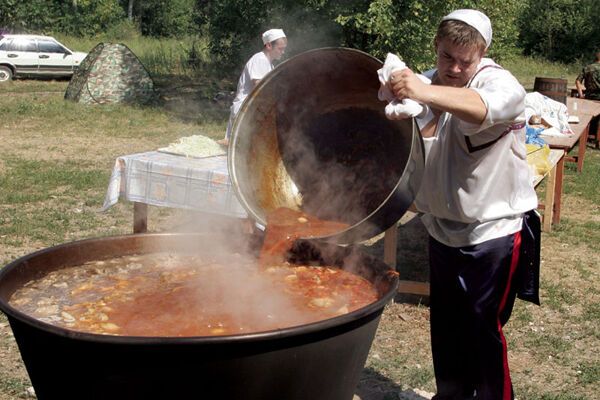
pixel 235 26
pixel 88 17
pixel 560 30
pixel 78 17
pixel 405 27
pixel 27 16
pixel 166 18
pixel 408 27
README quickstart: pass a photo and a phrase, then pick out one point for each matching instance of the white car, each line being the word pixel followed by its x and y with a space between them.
pixel 34 55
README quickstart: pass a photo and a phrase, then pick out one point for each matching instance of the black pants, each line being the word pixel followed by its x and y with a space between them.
pixel 471 299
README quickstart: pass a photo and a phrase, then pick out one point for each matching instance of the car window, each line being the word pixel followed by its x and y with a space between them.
pixel 21 44
pixel 48 46
pixel 3 46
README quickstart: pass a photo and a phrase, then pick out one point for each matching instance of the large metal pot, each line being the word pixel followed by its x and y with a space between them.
pixel 313 136
pixel 318 361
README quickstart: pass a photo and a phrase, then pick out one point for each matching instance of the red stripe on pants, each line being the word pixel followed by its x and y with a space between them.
pixel 507 392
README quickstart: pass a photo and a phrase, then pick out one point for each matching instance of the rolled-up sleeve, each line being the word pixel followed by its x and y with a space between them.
pixel 503 96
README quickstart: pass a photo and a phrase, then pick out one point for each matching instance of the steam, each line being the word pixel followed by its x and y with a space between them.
pixel 251 298
pixel 305 29
pixel 240 287
pixel 342 169
pixel 237 283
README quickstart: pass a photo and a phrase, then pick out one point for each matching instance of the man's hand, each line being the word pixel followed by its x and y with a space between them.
pixel 406 85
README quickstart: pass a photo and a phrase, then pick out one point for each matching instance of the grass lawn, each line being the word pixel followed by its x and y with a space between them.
pixel 56 158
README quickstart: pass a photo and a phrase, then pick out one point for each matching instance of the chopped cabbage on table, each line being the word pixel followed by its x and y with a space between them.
pixel 195 146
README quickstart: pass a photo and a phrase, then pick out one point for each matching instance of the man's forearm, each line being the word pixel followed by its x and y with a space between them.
pixel 579 87
pixel 464 103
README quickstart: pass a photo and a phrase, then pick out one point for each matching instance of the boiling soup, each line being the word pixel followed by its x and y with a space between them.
pixel 175 295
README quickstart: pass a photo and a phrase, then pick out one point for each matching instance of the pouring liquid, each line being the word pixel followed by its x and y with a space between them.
pixel 284 226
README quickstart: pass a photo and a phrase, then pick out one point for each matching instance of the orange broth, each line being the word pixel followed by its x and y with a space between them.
pixel 285 225
pixel 163 294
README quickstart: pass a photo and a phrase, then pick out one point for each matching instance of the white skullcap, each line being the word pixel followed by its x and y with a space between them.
pixel 476 19
pixel 271 35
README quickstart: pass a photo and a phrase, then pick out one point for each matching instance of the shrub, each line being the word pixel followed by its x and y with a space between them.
pixel 560 30
pixel 377 27
pixel 235 27
pixel 86 18
pixel 161 18
pixel 407 28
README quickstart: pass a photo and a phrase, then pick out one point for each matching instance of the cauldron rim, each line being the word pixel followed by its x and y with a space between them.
pixel 172 340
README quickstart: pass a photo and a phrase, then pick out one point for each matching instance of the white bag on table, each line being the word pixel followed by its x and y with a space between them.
pixel 552 113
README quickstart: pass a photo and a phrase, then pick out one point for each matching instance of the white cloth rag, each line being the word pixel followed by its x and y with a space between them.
pixel 400 109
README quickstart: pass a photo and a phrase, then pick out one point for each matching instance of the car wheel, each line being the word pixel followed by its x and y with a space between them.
pixel 5 73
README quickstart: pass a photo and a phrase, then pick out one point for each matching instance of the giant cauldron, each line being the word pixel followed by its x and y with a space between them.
pixel 317 361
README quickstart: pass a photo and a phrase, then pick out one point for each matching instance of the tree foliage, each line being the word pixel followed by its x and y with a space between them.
pixel 77 17
pixel 564 30
pixel 405 27
pixel 92 17
pixel 166 18
pixel 88 17
pixel 408 27
pixel 235 26
pixel 25 16
pixel 560 30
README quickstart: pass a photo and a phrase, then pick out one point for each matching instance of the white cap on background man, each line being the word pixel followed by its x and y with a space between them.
pixel 272 35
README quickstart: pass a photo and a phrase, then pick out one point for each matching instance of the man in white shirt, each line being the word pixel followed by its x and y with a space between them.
pixel 474 196
pixel 259 65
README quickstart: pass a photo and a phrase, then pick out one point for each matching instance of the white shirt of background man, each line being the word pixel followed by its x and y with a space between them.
pixel 256 68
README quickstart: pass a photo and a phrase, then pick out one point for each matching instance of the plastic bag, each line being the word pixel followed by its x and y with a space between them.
pixel 538 158
pixel 532 136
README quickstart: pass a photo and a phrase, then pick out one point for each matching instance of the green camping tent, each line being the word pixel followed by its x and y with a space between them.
pixel 110 74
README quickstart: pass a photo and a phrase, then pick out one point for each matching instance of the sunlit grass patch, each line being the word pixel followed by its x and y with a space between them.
pixel 39 86
pixel 27 181
pixel 556 296
pixel 587 183
pixel 18 224
pixel 526 69
pixel 577 232
pixel 169 119
pixel 43 200
pixel 548 346
pixel 531 395
pixel 590 373
pixel 14 386
pixel 419 376
pixel 404 370
pixel 591 313
pixel 521 315
pixel 584 267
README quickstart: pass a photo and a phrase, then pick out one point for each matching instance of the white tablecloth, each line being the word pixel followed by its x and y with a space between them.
pixel 168 180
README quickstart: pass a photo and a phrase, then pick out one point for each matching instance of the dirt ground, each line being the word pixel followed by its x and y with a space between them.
pixel 399 364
